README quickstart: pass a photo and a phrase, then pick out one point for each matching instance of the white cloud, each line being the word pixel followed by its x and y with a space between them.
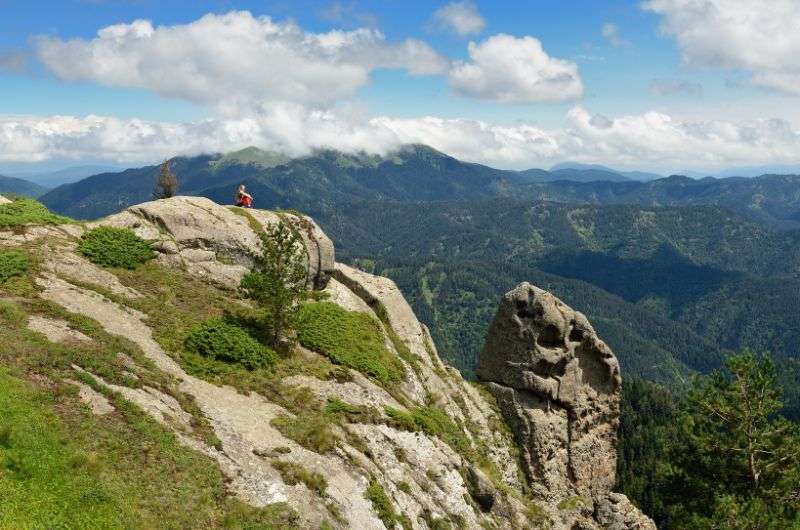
pixel 515 70
pixel 235 62
pixel 761 38
pixel 647 141
pixel 611 32
pixel 461 18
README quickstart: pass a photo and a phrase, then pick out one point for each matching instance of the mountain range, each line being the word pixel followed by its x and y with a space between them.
pixel 326 179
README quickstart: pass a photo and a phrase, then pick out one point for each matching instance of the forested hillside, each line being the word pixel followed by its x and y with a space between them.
pixel 11 185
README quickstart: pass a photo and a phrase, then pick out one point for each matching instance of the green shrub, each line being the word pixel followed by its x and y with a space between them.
pixel 348 338
pixel 433 422
pixel 218 340
pixel 293 473
pixel 24 211
pixel 12 263
pixel 115 247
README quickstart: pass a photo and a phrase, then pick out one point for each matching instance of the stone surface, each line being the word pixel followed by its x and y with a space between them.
pixel 3 200
pixel 211 241
pixel 558 386
pixel 55 330
pixel 97 402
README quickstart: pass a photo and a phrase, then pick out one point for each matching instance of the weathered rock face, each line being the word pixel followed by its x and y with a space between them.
pixel 558 386
pixel 212 241
pixel 3 200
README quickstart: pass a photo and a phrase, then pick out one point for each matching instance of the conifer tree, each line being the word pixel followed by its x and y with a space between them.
pixel 167 185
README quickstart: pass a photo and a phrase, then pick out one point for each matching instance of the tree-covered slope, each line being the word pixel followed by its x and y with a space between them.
pixel 20 187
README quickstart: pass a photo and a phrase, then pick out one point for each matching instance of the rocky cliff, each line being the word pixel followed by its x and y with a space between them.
pixel 532 447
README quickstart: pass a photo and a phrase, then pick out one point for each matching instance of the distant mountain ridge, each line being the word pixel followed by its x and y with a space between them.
pixel 20 187
pixel 326 178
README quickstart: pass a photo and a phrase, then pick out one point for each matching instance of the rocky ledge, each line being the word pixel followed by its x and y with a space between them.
pixel 535 451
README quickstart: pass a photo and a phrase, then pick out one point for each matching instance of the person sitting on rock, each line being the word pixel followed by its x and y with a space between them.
pixel 243 199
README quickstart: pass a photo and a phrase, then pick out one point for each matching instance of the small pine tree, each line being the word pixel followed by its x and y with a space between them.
pixel 278 281
pixel 735 460
pixel 167 185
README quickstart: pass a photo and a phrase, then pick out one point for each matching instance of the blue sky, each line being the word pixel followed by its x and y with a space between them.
pixel 625 83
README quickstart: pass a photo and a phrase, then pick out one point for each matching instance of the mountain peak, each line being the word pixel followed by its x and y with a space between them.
pixel 251 155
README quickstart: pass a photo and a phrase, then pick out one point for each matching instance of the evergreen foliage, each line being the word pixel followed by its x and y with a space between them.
pixel 12 263
pixel 721 457
pixel 348 338
pixel 735 462
pixel 167 185
pixel 109 246
pixel 218 340
pixel 278 281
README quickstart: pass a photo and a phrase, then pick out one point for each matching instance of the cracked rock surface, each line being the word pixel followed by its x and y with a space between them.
pixel 558 386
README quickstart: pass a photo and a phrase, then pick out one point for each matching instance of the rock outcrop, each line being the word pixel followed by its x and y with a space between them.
pixel 558 386
pixel 216 242
pixel 3 200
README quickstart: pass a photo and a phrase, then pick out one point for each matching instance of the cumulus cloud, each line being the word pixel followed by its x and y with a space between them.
pixel 611 33
pixel 235 61
pixel 515 70
pixel 672 87
pixel 651 140
pixel 760 38
pixel 461 18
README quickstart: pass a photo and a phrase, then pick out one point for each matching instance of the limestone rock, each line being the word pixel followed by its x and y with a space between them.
pixel 615 512
pixel 3 200
pixel 213 242
pixel 558 386
pixel 55 330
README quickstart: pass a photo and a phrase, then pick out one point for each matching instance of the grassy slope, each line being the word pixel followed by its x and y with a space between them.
pixel 61 466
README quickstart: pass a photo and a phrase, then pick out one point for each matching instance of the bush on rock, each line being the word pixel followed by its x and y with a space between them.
pixel 115 247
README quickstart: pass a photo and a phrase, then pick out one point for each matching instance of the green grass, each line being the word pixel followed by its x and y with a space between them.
pixel 108 246
pixel 293 473
pixel 22 212
pixel 13 263
pixel 433 422
pixel 221 341
pixel 381 504
pixel 311 429
pixel 348 338
pixel 73 470
pixel 44 478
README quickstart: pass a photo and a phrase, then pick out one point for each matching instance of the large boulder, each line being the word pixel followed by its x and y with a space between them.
pixel 3 200
pixel 558 386
pixel 217 242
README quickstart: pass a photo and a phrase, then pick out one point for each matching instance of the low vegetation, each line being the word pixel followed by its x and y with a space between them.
pixel 13 263
pixel 348 338
pixel 433 422
pixel 218 340
pixel 382 505
pixel 23 211
pixel 293 473
pixel 108 246
pixel 312 430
